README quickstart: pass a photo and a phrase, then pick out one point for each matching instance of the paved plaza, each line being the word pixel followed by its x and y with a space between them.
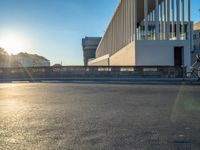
pixel 73 116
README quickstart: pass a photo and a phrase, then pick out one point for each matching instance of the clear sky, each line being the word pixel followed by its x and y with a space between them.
pixel 54 28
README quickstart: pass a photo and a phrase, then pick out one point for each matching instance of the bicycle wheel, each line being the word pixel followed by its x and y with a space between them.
pixel 187 75
pixel 192 76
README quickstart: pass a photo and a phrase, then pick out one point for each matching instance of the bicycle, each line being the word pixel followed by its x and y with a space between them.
pixel 194 74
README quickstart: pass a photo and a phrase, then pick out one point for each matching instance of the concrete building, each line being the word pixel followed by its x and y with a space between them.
pixel 197 26
pixel 196 37
pixel 90 45
pixel 147 33
pixel 196 41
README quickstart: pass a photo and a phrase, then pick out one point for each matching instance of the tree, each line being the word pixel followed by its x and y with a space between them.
pixel 3 52
pixel 4 57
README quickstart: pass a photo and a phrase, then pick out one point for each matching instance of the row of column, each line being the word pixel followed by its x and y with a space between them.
pixel 120 31
pixel 160 17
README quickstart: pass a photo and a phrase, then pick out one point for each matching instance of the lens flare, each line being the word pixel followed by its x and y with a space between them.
pixel 13 43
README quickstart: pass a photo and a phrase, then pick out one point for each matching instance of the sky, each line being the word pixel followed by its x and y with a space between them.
pixel 55 28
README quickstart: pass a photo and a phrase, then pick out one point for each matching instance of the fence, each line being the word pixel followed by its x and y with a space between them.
pixel 67 72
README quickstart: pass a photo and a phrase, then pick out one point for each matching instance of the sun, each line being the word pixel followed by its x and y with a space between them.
pixel 13 43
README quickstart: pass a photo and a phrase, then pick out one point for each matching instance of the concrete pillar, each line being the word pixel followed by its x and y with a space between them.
pixel 190 34
pixel 135 18
pixel 178 19
pixel 125 8
pixel 152 24
pixel 149 20
pixel 157 20
pixel 146 19
pixel 182 18
pixel 131 5
pixel 173 30
pixel 168 19
pixel 121 24
pixel 161 22
pixel 188 15
pixel 124 25
pixel 165 19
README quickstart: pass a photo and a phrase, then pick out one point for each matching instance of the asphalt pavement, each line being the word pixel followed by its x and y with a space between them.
pixel 103 116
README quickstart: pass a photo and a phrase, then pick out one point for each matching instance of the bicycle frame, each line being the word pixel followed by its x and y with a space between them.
pixel 195 72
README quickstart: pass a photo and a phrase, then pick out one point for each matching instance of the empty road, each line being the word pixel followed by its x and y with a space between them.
pixel 72 116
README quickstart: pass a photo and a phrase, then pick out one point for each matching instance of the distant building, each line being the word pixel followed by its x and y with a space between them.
pixel 57 65
pixel 197 26
pixel 22 60
pixel 90 45
pixel 29 60
pixel 196 41
pixel 196 37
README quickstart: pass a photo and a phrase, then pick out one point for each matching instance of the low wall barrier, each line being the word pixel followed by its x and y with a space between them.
pixel 33 73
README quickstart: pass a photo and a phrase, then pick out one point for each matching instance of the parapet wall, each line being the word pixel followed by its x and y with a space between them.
pixel 62 73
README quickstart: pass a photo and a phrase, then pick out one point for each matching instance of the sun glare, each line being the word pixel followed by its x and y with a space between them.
pixel 13 43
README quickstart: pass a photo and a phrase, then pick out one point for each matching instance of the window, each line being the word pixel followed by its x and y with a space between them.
pixel 194 36
pixel 195 47
pixel 199 35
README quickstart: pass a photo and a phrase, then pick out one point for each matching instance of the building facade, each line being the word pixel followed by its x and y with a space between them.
pixel 90 45
pixel 196 37
pixel 28 60
pixel 147 33
pixel 196 42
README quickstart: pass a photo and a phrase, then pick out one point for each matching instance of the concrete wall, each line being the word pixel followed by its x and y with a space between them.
pixel 101 61
pixel 152 53
pixel 124 57
pixel 85 73
pixel 146 53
